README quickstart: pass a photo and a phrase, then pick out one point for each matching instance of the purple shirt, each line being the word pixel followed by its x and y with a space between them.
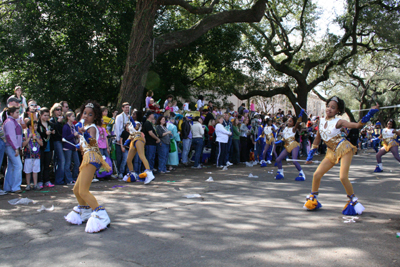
pixel 68 133
pixel 13 133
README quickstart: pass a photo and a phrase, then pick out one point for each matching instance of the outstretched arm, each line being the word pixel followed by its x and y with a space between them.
pixel 361 123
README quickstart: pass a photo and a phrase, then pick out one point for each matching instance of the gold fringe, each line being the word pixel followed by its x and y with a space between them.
pixel 291 146
pixel 344 148
pixel 389 145
pixel 94 157
pixel 270 141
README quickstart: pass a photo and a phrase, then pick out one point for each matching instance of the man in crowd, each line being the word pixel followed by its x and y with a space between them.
pixel 186 134
pixel 151 139
pixel 120 122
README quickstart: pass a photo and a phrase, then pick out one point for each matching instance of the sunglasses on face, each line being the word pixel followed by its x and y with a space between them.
pixel 58 109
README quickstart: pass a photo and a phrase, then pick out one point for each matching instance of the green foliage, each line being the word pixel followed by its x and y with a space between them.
pixel 65 50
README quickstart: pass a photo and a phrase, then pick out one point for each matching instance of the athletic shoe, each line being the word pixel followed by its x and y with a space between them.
pixel 48 184
pixel 28 187
pixel 71 183
pixel 198 167
pixel 150 177
pixel 279 176
pixel 40 185
pixel 269 162
pixel 2 192
pixel 378 169
pixel 95 180
pixel 16 191
pixel 229 164
pixel 263 164
pixel 120 176
pixel 35 187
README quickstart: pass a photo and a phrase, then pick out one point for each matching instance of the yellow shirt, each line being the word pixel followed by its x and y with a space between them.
pixel 106 120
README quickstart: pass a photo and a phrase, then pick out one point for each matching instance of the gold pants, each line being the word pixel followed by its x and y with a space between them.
pixel 82 186
pixel 132 152
pixel 326 165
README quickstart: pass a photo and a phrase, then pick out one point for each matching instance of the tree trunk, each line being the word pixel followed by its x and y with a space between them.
pixel 139 54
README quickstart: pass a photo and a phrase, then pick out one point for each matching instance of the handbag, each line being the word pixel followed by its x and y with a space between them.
pixel 172 146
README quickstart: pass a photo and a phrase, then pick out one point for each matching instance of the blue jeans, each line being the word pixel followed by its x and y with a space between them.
pixel 150 153
pixel 236 151
pixel 2 150
pixel 162 151
pixel 187 143
pixel 59 154
pixel 71 155
pixel 122 167
pixel 13 177
pixel 198 148
pixel 137 164
pixel 103 151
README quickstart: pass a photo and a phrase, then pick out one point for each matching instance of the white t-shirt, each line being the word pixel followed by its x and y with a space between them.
pixel 186 107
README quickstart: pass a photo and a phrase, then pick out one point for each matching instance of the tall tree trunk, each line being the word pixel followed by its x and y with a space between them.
pixel 139 54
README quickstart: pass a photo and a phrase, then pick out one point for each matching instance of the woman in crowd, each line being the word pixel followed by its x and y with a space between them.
pixel 22 100
pixel 244 135
pixel 173 157
pixel 235 141
pixel 13 135
pixel 222 138
pixel 59 160
pixel 163 146
pixel 45 130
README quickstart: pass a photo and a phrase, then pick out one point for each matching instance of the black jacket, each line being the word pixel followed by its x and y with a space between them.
pixel 185 129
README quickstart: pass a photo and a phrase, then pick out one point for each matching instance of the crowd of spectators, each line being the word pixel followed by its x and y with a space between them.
pixel 36 140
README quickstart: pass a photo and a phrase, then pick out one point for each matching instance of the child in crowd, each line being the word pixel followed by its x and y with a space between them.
pixel 186 105
pixel 149 95
pixel 31 144
pixel 154 106
pixel 169 107
pixel 70 152
pixel 106 119
pixel 13 135
pixel 175 108
pixel 103 143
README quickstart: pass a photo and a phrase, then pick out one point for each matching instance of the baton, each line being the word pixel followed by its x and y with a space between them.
pixel 302 160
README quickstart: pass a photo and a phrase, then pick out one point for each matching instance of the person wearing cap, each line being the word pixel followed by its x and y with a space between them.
pixel 186 134
pixel 120 122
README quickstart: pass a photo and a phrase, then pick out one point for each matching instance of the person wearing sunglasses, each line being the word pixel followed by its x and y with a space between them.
pixel 57 120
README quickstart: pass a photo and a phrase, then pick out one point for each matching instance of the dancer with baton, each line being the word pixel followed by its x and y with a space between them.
pixel 339 149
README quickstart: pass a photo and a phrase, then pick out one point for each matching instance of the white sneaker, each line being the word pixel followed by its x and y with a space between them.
pixel 95 180
pixel 2 192
pixel 114 176
pixel 228 163
pixel 120 176
pixel 269 162
pixel 150 177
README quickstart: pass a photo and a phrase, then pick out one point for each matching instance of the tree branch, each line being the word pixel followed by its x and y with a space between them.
pixel 190 8
pixel 182 38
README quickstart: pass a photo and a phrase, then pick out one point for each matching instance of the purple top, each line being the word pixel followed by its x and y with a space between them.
pixel 68 133
pixel 13 133
pixel 147 101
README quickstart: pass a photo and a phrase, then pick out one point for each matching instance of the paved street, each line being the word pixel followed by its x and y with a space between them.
pixel 238 221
